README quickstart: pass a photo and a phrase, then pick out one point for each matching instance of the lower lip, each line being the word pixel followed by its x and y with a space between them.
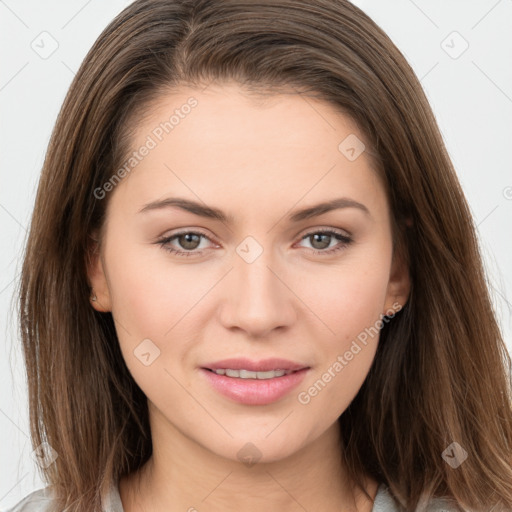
pixel 255 391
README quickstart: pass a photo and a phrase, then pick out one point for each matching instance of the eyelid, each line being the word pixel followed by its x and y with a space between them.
pixel 305 233
pixel 343 241
pixel 346 239
pixel 318 229
pixel 184 231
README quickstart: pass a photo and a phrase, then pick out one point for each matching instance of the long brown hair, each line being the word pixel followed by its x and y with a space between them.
pixel 441 374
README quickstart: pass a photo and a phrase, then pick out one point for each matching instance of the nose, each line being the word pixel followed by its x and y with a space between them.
pixel 257 298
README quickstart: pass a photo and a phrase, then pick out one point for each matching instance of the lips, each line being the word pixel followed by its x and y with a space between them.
pixel 254 391
pixel 264 365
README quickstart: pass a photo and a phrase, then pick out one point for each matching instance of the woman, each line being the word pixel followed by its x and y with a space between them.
pixel 261 283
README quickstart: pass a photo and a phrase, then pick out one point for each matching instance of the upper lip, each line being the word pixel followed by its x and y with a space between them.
pixel 264 365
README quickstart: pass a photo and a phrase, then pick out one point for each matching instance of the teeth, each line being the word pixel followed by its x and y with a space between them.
pixel 246 374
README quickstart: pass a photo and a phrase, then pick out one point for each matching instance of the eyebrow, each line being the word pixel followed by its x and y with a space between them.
pixel 214 213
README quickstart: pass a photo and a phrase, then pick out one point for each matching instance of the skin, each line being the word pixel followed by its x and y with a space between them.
pixel 258 161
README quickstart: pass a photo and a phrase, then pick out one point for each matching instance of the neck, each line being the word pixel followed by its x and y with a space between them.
pixel 183 475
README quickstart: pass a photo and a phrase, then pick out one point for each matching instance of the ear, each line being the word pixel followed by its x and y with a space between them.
pixel 399 285
pixel 97 277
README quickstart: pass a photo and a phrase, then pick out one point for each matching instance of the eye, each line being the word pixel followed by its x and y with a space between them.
pixel 322 241
pixel 189 241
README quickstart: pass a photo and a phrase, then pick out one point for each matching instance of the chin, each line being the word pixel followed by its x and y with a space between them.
pixel 256 449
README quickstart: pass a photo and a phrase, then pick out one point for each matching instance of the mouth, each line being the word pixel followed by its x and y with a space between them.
pixel 248 374
pixel 247 366
pixel 254 383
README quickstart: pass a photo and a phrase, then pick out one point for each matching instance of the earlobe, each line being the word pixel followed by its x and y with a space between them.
pixel 399 285
pixel 99 296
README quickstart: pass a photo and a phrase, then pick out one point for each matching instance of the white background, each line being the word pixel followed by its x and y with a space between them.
pixel 471 96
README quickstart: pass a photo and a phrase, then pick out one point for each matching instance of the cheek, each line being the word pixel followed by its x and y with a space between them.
pixel 349 302
pixel 154 300
pixel 333 387
pixel 352 311
pixel 347 298
pixel 150 295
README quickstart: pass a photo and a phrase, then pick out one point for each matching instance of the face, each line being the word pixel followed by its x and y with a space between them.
pixel 251 271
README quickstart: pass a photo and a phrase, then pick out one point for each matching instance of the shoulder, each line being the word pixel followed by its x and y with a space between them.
pixel 385 502
pixel 37 501
pixel 42 500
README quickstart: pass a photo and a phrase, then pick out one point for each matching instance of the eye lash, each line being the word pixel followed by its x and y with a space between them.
pixel 165 241
pixel 344 239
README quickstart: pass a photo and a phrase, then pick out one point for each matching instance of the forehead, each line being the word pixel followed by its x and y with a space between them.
pixel 230 116
pixel 222 141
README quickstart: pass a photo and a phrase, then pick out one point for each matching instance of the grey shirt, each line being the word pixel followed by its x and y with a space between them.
pixel 40 500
